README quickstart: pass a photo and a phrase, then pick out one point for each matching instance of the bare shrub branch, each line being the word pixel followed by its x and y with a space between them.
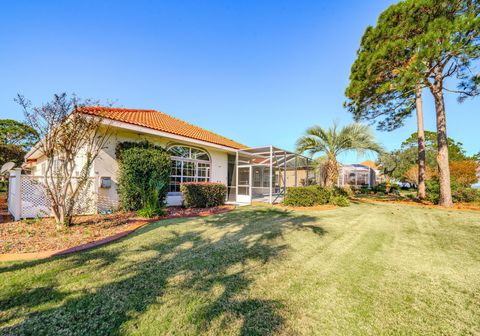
pixel 70 142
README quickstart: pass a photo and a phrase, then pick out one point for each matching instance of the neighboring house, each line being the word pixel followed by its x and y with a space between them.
pixel 379 176
pixel 198 155
pixel 356 176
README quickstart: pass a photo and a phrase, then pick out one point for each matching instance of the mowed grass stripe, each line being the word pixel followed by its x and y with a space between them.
pixel 366 269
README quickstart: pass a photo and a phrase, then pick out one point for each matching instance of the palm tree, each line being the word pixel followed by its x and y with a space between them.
pixel 331 142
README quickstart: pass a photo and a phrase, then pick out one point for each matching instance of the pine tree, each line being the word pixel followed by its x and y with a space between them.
pixel 420 42
pixel 377 91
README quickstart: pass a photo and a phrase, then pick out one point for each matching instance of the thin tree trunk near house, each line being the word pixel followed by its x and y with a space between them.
pixel 56 215
pixel 442 155
pixel 421 143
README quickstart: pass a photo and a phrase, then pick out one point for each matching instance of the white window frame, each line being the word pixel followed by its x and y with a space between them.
pixel 196 162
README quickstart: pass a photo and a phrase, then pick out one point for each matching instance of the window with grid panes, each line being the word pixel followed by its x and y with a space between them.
pixel 189 164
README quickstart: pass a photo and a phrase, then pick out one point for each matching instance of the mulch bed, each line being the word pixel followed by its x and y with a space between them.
pixel 29 236
pixel 4 215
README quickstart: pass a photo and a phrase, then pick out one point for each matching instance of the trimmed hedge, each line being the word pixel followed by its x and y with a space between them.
pixel 306 196
pixel 316 195
pixel 143 178
pixel 300 196
pixel 203 194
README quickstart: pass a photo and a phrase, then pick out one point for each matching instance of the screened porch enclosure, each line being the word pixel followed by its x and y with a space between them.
pixel 262 174
pixel 356 176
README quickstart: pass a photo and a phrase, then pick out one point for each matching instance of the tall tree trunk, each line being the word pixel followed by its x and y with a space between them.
pixel 331 171
pixel 442 140
pixel 421 143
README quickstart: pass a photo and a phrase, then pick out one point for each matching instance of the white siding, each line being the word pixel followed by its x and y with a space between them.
pixel 40 166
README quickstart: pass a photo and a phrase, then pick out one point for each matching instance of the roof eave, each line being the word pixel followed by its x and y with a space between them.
pixel 148 130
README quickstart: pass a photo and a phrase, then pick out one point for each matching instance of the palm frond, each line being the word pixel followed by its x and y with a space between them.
pixel 353 137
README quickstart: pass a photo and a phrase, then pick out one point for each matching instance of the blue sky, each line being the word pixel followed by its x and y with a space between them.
pixel 259 72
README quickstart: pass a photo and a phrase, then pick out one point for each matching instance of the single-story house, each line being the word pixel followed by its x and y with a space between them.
pixel 198 155
pixel 357 176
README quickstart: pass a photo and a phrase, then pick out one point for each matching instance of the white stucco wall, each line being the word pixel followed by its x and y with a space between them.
pixel 106 166
pixel 40 166
pixel 37 168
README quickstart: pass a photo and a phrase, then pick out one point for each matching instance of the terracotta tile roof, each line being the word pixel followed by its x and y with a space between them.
pixel 370 163
pixel 161 122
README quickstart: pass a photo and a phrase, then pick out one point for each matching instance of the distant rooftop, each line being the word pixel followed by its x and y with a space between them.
pixel 370 164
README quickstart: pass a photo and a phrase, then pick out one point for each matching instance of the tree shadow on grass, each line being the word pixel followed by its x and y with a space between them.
pixel 272 222
pixel 192 260
pixel 30 299
pixel 76 259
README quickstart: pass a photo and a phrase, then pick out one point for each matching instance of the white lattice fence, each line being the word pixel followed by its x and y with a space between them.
pixel 87 200
pixel 34 201
pixel 28 199
pixel 14 193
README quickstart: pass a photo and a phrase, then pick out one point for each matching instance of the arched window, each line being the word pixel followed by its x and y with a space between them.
pixel 189 164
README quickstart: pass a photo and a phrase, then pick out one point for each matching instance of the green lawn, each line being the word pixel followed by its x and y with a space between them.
pixel 365 269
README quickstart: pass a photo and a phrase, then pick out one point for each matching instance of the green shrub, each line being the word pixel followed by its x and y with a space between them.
pixel 203 194
pixel 151 206
pixel 339 200
pixel 466 195
pixel 432 189
pixel 143 178
pixel 316 195
pixel 301 196
pixel 122 146
pixel 381 188
pixel 323 195
pixel 364 190
pixel 394 187
pixel 346 191
pixel 150 211
pixel 307 196
pixel 387 187
pixel 460 193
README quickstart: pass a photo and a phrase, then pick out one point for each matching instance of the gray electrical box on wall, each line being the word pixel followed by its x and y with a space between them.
pixel 105 182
